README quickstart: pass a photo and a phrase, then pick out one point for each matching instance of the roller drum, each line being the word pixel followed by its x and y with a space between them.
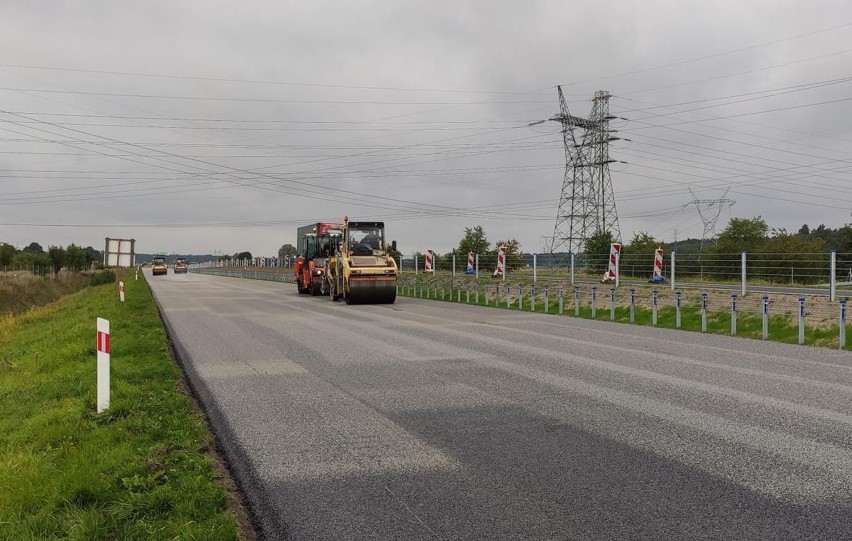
pixel 371 292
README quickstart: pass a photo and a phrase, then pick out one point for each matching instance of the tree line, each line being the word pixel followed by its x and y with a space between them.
pixel 72 257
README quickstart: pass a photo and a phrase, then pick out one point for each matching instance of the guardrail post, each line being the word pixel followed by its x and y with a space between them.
pixel 743 273
pixel 594 301
pixel 703 312
pixel 612 303
pixel 520 297
pixel 458 294
pixel 801 320
pixel 677 308
pixel 765 325
pixel 841 343
pixel 561 299
pixel 443 290
pixel 508 292
pixel 532 298
pixel 832 281
pixel 654 294
pixel 632 305
pixel 486 294
pixel 546 300
pixel 577 301
pixel 734 314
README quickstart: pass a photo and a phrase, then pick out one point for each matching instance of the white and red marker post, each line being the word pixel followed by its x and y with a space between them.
pixel 501 262
pixel 121 291
pixel 658 277
pixel 429 265
pixel 103 364
pixel 611 274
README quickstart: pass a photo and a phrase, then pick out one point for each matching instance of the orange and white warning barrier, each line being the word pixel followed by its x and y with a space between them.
pixel 121 291
pixel 501 262
pixel 471 261
pixel 658 267
pixel 103 364
pixel 430 261
pixel 611 274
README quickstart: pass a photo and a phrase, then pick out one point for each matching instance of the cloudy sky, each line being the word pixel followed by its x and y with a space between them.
pixel 197 127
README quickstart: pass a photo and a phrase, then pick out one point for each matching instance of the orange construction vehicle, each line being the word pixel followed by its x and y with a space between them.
pixel 316 243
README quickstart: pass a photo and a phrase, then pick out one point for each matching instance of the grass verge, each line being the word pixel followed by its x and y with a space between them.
pixel 21 290
pixel 137 471
pixel 749 325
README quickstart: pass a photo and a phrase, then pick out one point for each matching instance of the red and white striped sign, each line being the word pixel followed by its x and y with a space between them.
pixel 471 261
pixel 658 264
pixel 614 253
pixel 103 364
pixel 429 266
pixel 501 261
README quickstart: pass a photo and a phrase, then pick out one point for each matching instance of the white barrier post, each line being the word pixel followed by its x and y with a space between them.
pixel 576 301
pixel 743 273
pixel 103 364
pixel 654 294
pixel 561 299
pixel 842 338
pixel 703 312
pixel 632 305
pixel 734 313
pixel 765 328
pixel 612 303
pixel 801 321
pixel 121 291
pixel 594 302
pixel 677 305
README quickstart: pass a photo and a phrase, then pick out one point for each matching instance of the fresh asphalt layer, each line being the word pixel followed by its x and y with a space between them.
pixel 430 420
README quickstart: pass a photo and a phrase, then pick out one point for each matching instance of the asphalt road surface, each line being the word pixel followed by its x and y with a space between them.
pixel 425 420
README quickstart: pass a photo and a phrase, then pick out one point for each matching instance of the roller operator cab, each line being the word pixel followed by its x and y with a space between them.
pixel 158 266
pixel 362 270
pixel 316 243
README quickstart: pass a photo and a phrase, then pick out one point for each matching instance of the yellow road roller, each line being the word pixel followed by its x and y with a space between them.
pixel 361 271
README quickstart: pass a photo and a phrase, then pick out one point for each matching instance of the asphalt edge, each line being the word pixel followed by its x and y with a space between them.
pixel 261 512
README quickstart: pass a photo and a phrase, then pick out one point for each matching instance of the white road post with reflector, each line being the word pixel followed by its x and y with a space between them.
pixel 103 364
pixel 121 291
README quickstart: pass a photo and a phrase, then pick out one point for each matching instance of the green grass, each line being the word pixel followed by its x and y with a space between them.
pixel 749 325
pixel 137 471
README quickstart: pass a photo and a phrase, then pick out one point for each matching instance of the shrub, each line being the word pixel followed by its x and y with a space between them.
pixel 103 277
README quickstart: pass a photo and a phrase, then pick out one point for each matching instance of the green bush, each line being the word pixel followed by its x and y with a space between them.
pixel 103 277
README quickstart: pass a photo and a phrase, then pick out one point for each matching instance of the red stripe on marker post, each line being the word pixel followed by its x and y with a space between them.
pixel 103 342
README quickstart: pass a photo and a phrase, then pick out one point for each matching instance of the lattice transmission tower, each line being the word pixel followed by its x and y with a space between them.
pixel 709 211
pixel 587 201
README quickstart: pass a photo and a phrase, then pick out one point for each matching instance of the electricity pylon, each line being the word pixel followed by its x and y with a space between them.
pixel 587 201
pixel 709 210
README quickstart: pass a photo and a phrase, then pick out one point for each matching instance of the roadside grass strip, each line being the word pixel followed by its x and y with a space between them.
pixel 137 471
